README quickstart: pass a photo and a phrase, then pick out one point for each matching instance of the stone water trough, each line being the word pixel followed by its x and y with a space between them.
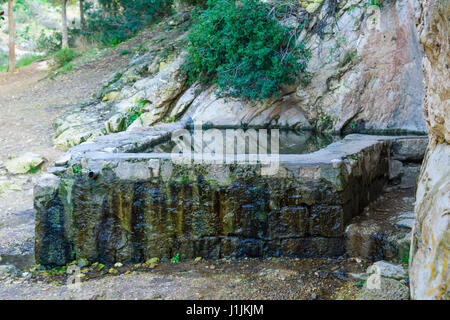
pixel 113 200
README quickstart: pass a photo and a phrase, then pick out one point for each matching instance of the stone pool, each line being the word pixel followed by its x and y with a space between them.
pixel 124 199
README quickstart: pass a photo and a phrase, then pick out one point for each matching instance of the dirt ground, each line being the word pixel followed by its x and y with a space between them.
pixel 30 101
pixel 248 279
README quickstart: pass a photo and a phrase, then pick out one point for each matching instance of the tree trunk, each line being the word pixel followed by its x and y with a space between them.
pixel 12 32
pixel 65 37
pixel 82 20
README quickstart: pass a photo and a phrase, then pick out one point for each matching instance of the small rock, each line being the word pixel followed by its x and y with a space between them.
pixel 63 160
pixel 116 123
pixel 82 262
pixel 152 261
pixel 111 96
pixel 25 163
pixel 312 7
pixel 56 170
pixel 118 265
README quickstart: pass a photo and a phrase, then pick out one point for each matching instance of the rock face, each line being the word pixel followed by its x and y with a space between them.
pixel 365 72
pixel 429 270
pixel 365 66
pixel 229 112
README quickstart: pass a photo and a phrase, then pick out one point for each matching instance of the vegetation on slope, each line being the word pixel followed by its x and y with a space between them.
pixel 243 49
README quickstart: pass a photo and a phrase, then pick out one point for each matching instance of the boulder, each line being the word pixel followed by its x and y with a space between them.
pixel 24 163
pixel 412 150
pixel 230 112
pixel 159 91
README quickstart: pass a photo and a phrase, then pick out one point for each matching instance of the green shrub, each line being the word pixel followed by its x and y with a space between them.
pixel 22 62
pixel 64 56
pixel 125 52
pixel 135 111
pixel 197 3
pixel 243 49
pixel 118 20
pixel 49 43
pixel 66 67
pixel 52 42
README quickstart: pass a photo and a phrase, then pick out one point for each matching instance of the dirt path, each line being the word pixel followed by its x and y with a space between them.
pixel 30 102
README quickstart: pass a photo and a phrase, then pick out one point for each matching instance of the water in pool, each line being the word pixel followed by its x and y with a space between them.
pixel 250 140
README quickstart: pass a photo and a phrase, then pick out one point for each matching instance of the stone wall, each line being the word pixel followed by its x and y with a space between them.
pixel 429 270
pixel 107 206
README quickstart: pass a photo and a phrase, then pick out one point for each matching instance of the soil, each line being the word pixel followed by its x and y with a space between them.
pixel 273 278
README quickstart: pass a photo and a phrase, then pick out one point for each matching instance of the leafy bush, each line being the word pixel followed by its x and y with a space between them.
pixel 50 43
pixel 64 56
pixel 198 3
pixel 241 47
pixel 118 20
pixel 133 114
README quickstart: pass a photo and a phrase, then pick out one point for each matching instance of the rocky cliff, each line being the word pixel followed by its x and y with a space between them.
pixel 365 74
pixel 429 270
